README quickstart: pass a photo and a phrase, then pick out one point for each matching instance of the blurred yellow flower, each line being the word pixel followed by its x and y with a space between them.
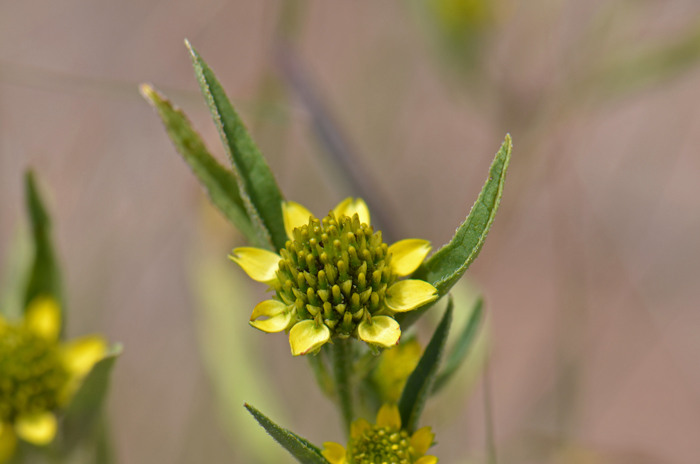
pixel 336 278
pixel 383 442
pixel 393 369
pixel 39 373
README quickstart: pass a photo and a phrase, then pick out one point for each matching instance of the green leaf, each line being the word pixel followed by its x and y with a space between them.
pixel 84 412
pixel 444 268
pixel 420 382
pixel 258 188
pixel 219 182
pixel 302 450
pixel 45 277
pixel 447 265
pixel 461 347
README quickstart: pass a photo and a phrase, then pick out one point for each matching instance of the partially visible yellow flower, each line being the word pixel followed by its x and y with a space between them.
pixel 336 278
pixel 394 368
pixel 39 374
pixel 383 442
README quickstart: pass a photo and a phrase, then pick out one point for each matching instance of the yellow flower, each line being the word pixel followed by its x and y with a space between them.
pixel 384 442
pixel 336 278
pixel 394 368
pixel 39 373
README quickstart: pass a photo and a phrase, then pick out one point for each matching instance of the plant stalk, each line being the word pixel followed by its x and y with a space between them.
pixel 342 365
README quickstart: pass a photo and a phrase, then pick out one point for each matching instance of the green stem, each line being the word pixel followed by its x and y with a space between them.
pixel 323 378
pixel 342 365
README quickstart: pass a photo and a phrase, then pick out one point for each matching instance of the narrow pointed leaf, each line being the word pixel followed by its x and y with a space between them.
pixel 219 182
pixel 460 350
pixel 447 265
pixel 302 450
pixel 258 188
pixel 84 413
pixel 420 382
pixel 444 268
pixel 45 277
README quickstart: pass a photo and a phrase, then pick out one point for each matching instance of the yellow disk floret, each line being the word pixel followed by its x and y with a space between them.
pixel 39 373
pixel 382 443
pixel 33 374
pixel 336 278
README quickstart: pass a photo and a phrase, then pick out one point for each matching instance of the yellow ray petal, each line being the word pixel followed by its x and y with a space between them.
pixel 277 313
pixel 422 440
pixel 8 442
pixel 388 416
pixel 407 255
pixel 334 452
pixel 80 354
pixel 295 215
pixel 358 427
pixel 427 460
pixel 307 336
pixel 259 264
pixel 43 317
pixel 406 295
pixel 350 206
pixel 383 331
pixel 38 429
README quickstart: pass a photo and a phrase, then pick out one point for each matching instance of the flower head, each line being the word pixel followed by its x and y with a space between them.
pixel 336 277
pixel 39 374
pixel 383 442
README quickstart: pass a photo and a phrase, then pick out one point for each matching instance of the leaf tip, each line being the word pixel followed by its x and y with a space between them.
pixel 147 91
pixel 115 350
pixel 190 48
pixel 508 142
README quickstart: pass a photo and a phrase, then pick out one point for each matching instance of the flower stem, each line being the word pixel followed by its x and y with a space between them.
pixel 323 377
pixel 342 365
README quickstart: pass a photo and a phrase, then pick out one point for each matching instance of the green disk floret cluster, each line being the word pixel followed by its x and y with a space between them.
pixel 32 375
pixel 335 271
pixel 379 445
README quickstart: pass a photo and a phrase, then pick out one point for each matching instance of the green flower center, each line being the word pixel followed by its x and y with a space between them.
pixel 32 375
pixel 335 271
pixel 381 445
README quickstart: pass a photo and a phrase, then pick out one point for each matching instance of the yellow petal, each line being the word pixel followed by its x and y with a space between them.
pixel 334 452
pixel 295 215
pixel 8 442
pixel 358 427
pixel 259 264
pixel 383 331
pixel 43 317
pixel 307 336
pixel 427 460
pixel 406 295
pixel 407 255
pixel 388 416
pixel 350 206
pixel 422 440
pixel 80 354
pixel 38 429
pixel 277 313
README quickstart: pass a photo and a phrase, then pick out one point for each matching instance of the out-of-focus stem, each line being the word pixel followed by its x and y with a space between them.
pixel 323 377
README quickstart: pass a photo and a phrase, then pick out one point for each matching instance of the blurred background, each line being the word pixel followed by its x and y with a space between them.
pixel 590 273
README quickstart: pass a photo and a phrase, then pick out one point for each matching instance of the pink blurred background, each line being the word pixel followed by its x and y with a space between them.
pixel 590 272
